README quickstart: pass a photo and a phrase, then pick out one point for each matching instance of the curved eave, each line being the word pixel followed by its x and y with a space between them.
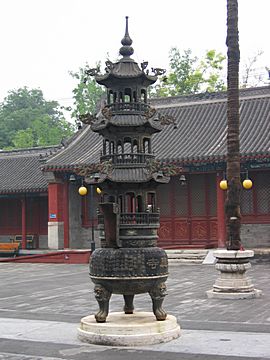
pixel 23 190
pixel 201 160
pixel 137 175
pixel 181 161
pixel 91 181
pixel 110 78
pixel 161 179
pixel 62 168
pixel 126 120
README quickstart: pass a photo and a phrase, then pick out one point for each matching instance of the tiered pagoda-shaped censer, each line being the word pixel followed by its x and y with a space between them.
pixel 129 261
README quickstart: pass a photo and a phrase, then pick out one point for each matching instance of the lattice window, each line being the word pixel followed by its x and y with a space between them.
pixel 43 215
pixel 10 215
pixel 197 188
pixel 163 199
pixel 262 183
pixel 212 194
pixel 246 202
pixel 92 205
pixel 181 197
pixel 30 213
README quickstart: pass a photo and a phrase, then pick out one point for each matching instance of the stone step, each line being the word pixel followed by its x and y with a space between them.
pixel 186 256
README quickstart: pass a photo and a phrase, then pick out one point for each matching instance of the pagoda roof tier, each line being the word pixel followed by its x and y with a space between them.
pixel 124 71
pixel 127 120
pixel 130 175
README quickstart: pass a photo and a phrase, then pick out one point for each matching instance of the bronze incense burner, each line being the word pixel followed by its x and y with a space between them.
pixel 129 261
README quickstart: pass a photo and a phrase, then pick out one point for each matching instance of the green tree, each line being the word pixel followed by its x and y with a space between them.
pixel 189 75
pixel 23 139
pixel 87 93
pixel 27 119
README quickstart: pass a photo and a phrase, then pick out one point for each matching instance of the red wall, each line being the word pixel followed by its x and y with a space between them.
pixel 36 215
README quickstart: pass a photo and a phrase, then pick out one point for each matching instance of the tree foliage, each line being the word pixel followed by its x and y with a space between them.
pixel 87 93
pixel 27 120
pixel 189 75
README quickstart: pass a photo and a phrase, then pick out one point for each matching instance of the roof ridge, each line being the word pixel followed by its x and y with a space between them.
pixel 211 101
pixel 170 101
pixel 29 151
pixel 70 142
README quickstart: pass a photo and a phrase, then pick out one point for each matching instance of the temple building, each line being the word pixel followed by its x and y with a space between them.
pixel 41 207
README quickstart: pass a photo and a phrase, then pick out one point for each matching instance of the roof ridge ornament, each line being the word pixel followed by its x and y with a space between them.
pixel 126 50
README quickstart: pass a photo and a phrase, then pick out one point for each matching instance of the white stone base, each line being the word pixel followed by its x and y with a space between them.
pixel 234 295
pixel 56 235
pixel 232 282
pixel 122 329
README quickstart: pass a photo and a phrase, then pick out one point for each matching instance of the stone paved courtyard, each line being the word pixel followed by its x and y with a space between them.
pixel 41 306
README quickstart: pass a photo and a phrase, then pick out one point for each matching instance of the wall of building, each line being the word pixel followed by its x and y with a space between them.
pixel 43 241
pixel 80 230
pixel 75 218
pixel 188 212
pixel 255 235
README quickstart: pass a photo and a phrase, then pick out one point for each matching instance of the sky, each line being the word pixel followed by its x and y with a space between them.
pixel 42 40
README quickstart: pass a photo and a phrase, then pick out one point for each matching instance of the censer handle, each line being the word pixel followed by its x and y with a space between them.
pixel 111 223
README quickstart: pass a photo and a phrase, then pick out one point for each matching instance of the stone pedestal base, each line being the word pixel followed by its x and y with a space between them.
pixel 233 295
pixel 121 329
pixel 233 282
pixel 56 235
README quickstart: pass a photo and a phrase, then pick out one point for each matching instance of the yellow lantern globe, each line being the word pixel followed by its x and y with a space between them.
pixel 98 190
pixel 82 190
pixel 223 185
pixel 247 184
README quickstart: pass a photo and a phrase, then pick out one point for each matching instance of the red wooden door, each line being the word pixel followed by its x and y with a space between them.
pixel 188 213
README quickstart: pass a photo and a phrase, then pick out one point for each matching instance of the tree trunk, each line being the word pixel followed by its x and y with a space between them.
pixel 232 206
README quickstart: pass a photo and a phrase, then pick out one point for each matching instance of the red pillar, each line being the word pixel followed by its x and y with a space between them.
pixel 23 204
pixel 56 216
pixel 66 214
pixel 55 194
pixel 221 225
pixel 58 196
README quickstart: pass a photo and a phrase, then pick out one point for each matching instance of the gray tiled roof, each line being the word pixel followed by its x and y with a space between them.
pixel 84 149
pixel 20 170
pixel 201 131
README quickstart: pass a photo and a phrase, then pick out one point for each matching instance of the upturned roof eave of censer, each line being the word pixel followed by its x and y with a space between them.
pixel 120 120
pixel 122 71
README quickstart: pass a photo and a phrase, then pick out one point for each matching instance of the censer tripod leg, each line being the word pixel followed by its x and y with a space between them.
pixel 102 296
pixel 158 294
pixel 129 307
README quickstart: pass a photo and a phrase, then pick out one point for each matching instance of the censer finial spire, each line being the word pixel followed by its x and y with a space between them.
pixel 126 50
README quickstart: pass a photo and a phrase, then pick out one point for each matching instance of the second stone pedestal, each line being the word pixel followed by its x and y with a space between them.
pixel 233 282
pixel 121 329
